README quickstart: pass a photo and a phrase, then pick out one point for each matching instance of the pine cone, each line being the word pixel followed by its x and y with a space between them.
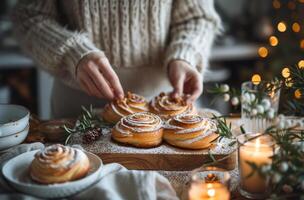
pixel 91 135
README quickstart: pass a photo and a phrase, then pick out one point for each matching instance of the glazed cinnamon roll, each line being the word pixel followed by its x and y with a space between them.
pixel 142 129
pixel 59 164
pixel 166 107
pixel 132 103
pixel 190 131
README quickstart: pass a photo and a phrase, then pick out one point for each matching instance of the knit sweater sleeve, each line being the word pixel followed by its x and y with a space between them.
pixel 194 24
pixel 54 47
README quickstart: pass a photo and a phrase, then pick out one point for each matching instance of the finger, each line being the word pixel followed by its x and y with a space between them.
pixel 178 85
pixel 101 84
pixel 196 92
pixel 84 85
pixel 111 77
pixel 91 86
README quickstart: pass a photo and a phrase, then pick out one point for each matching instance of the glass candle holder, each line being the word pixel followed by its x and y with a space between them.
pixel 254 149
pixel 209 183
pixel 260 103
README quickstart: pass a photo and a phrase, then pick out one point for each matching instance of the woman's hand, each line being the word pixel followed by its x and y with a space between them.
pixel 97 78
pixel 185 80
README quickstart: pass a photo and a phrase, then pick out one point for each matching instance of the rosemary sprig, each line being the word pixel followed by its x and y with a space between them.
pixel 223 128
pixel 87 121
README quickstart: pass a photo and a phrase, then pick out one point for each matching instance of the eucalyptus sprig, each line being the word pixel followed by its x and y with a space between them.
pixel 228 94
pixel 86 121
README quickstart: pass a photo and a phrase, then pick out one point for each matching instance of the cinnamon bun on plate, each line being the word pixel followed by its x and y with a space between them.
pixel 142 129
pixel 59 164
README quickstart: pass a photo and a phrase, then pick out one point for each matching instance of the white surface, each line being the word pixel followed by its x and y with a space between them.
pixel 16 172
pixel 9 60
pixel 14 139
pixel 234 52
pixel 45 85
pixel 13 119
pixel 4 94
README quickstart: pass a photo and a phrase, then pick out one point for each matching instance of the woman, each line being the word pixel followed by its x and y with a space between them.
pixel 97 49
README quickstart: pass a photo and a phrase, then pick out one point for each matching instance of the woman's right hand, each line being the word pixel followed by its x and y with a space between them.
pixel 97 78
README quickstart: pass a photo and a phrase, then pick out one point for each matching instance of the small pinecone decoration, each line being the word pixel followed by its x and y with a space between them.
pixel 91 135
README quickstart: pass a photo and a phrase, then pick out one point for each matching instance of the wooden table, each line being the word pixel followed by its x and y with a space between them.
pixel 166 164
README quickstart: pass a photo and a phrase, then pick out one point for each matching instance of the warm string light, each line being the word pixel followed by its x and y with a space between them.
pixel 256 79
pixel 276 4
pixel 296 27
pixel 286 72
pixel 281 26
pixel 302 44
pixel 263 52
pixel 273 41
pixel 291 5
pixel 301 64
pixel 297 94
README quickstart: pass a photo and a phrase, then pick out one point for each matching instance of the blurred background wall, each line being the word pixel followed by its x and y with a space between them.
pixel 261 37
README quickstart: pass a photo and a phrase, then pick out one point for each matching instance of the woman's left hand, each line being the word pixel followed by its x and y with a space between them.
pixel 185 80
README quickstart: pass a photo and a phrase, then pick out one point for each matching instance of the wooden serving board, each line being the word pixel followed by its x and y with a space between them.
pixel 163 157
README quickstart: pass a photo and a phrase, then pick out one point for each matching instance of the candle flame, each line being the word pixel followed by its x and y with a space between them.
pixel 257 144
pixel 211 192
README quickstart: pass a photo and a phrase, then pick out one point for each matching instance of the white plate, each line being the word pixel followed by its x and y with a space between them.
pixel 16 171
pixel 13 119
pixel 14 139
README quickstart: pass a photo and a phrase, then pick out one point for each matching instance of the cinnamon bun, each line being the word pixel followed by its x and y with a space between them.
pixel 59 164
pixel 142 129
pixel 190 131
pixel 132 103
pixel 166 107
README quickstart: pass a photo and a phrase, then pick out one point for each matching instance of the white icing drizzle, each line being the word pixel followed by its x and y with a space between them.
pixel 163 103
pixel 59 156
pixel 200 137
pixel 139 123
pixel 127 104
pixel 205 125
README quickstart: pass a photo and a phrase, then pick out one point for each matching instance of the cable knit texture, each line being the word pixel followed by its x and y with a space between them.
pixel 131 33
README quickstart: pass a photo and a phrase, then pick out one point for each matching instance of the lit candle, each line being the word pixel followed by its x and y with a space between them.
pixel 259 152
pixel 208 191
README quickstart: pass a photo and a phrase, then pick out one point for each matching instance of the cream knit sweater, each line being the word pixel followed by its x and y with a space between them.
pixel 133 34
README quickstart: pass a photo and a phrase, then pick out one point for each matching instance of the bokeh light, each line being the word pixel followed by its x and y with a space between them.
pixel 297 94
pixel 302 44
pixel 281 27
pixel 291 5
pixel 276 4
pixel 273 41
pixel 256 79
pixel 296 27
pixel 286 72
pixel 301 64
pixel 263 52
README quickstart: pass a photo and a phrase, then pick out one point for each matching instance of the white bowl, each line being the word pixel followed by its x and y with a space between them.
pixel 16 172
pixel 13 139
pixel 13 119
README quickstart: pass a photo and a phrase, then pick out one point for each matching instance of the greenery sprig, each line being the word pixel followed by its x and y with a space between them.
pixel 223 128
pixel 88 120
pixel 286 171
pixel 228 94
